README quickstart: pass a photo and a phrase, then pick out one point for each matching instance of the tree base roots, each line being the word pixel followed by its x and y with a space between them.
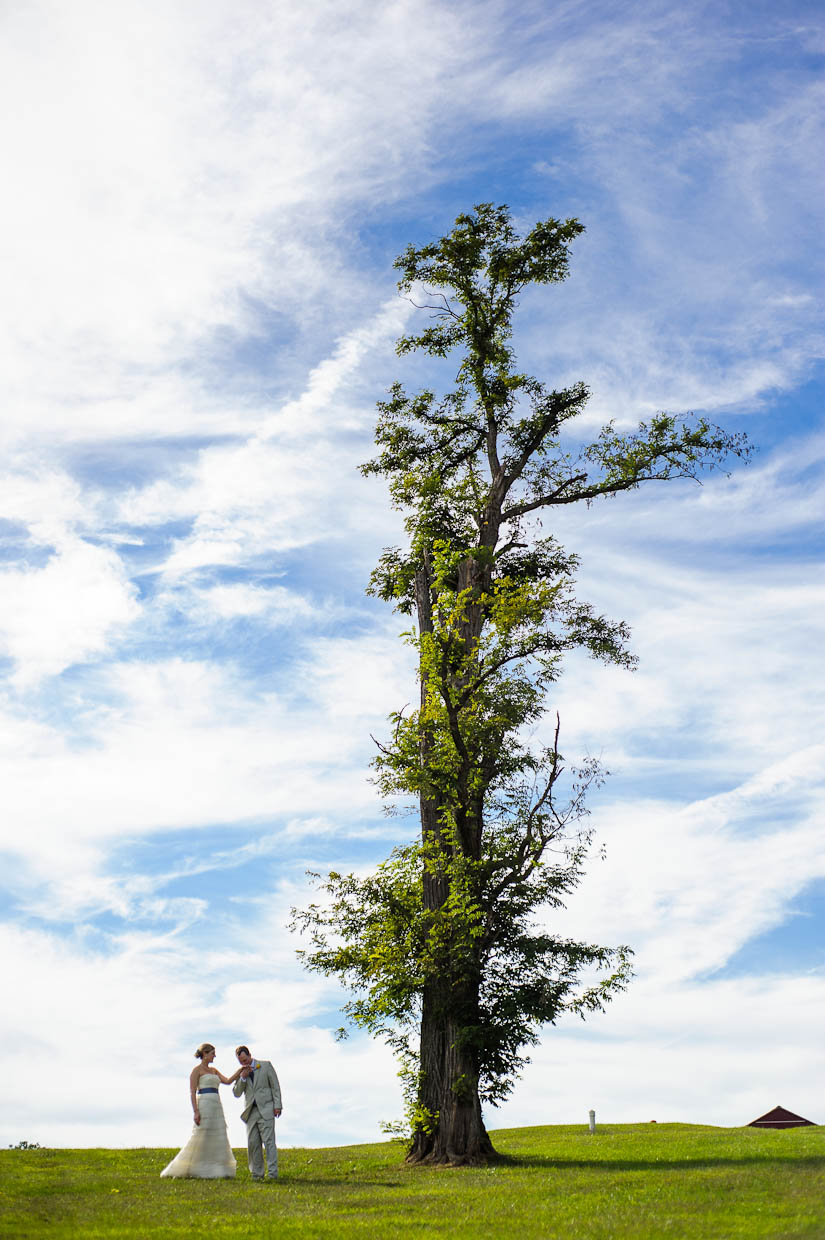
pixel 427 1155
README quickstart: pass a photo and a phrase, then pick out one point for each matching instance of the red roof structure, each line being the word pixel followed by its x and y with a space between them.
pixel 780 1118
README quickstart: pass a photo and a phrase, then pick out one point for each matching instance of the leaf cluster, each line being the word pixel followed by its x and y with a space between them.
pixel 375 934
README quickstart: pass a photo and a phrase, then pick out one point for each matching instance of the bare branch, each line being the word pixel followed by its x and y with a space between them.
pixel 556 497
pixel 555 772
pixel 447 306
pixel 398 724
pixel 544 425
pixel 524 652
pixel 510 546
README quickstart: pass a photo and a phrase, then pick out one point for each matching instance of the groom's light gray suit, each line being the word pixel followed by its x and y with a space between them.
pixel 262 1097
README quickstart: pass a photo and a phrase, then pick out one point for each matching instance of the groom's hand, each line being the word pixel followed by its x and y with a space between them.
pixel 277 1112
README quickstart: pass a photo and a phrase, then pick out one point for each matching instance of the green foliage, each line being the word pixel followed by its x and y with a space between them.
pixel 452 928
pixel 388 946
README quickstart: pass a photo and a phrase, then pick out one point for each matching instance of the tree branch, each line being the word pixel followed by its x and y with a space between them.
pixel 555 498
pixel 545 424
pixel 490 670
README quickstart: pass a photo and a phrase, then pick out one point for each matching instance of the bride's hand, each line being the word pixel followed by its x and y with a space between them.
pixel 197 1117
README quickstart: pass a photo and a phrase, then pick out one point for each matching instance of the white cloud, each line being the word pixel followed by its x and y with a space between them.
pixel 726 612
pixel 687 886
pixel 198 194
pixel 182 745
pixel 65 612
pixel 318 409
pixel 277 604
pixel 47 501
pixel 292 483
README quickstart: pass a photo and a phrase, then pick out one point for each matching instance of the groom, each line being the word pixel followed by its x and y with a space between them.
pixel 262 1105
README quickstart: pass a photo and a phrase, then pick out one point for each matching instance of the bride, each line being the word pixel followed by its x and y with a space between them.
pixel 207 1154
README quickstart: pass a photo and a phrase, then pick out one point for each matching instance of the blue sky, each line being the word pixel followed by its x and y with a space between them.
pixel 199 315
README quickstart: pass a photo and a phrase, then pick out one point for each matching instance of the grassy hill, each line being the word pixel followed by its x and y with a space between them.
pixel 629 1180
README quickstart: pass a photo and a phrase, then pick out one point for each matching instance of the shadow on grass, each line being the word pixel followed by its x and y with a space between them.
pixel 648 1164
pixel 299 1181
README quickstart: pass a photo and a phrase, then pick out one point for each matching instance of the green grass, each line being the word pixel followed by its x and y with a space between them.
pixel 629 1180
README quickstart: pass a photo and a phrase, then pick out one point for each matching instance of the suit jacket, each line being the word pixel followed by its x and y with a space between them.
pixel 262 1090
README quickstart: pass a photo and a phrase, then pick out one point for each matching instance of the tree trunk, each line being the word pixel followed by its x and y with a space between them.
pixel 452 1131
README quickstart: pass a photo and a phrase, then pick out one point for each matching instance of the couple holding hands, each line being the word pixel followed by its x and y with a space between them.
pixel 207 1154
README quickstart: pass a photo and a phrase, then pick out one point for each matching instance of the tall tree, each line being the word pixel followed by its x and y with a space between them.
pixel 446 946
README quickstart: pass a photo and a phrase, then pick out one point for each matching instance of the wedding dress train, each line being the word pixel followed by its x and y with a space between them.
pixel 207 1154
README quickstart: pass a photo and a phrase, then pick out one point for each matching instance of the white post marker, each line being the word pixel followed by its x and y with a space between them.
pixel 592 1115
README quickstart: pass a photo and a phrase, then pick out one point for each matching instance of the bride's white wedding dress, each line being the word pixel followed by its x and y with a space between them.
pixel 207 1154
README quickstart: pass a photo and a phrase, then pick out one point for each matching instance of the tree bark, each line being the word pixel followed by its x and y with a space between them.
pixel 448 1091
pixel 452 1131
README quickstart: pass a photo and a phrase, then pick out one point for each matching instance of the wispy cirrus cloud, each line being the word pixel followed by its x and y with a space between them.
pixel 199 207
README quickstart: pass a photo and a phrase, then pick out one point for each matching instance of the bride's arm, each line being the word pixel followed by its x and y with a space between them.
pixel 227 1080
pixel 193 1086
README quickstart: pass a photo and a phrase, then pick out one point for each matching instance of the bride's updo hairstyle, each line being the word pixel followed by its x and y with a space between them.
pixel 203 1049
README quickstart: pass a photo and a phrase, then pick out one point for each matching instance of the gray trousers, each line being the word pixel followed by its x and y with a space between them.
pixel 260 1135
